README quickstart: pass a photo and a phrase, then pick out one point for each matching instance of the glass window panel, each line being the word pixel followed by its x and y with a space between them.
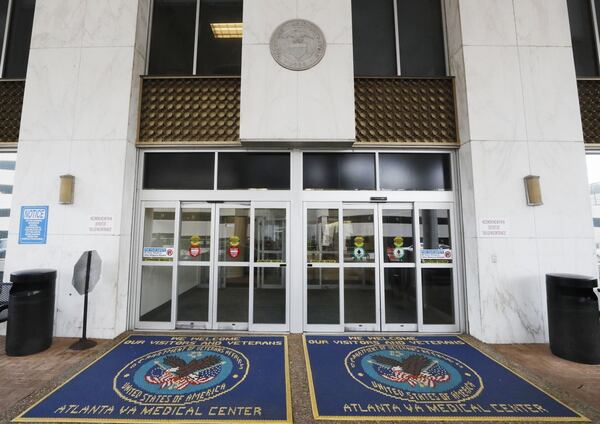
pixel 414 171
pixel 436 246
pixel 438 296
pixel 359 296
pixel 232 295
pixel 374 38
pixel 359 235
pixel 179 171
pixel 582 38
pixel 323 296
pixel 593 168
pixel 234 235
pixel 322 235
pixel 159 235
pixel 269 295
pixel 398 235
pixel 241 171
pixel 400 296
pixel 19 38
pixel 155 297
pixel 194 238
pixel 421 38
pixel 192 293
pixel 172 38
pixel 219 45
pixel 3 14
pixel 269 235
pixel 339 171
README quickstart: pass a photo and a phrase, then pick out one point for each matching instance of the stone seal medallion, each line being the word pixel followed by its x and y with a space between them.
pixel 298 44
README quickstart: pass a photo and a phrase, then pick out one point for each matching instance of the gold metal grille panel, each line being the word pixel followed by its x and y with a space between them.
pixel 190 110
pixel 11 104
pixel 405 110
pixel 589 104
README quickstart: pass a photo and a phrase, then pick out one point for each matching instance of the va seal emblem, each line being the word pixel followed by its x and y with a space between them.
pixel 298 44
pixel 181 375
pixel 413 374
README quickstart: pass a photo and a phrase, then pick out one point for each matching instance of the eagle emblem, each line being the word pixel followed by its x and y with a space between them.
pixel 176 373
pixel 414 370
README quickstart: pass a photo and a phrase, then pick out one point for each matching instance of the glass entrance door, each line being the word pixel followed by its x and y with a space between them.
pixel 214 266
pixel 379 267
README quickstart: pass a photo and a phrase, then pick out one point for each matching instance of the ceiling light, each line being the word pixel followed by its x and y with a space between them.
pixel 227 30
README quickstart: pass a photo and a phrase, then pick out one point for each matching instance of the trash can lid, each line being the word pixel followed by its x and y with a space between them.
pixel 571 280
pixel 32 275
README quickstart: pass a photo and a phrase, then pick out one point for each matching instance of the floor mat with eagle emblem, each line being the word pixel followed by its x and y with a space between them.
pixel 417 378
pixel 177 379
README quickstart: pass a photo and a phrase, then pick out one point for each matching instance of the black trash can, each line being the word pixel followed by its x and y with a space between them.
pixel 573 317
pixel 30 311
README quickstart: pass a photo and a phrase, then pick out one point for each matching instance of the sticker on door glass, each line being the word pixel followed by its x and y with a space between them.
pixel 158 252
pixel 359 253
pixel 234 247
pixel 195 250
pixel 396 252
pixel 440 253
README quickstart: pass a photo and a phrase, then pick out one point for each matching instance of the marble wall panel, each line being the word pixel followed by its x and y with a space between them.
pixel 58 23
pixel 50 98
pixel 494 93
pixel 550 94
pixel 487 22
pixel 326 97
pixel 269 97
pixel 542 23
pixel 103 94
pixel 261 17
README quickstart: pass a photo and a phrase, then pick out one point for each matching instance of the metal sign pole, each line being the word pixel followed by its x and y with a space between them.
pixel 83 342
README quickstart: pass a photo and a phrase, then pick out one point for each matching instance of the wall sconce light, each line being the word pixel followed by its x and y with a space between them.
pixel 533 190
pixel 67 189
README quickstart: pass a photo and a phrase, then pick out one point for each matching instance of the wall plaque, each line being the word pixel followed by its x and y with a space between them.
pixel 298 44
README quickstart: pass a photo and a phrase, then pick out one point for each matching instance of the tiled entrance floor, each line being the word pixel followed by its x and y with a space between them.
pixel 25 379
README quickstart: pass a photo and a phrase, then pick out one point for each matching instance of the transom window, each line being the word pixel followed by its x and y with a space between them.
pixel 383 171
pixel 196 37
pixel 585 29
pixel 16 22
pixel 235 171
pixel 398 37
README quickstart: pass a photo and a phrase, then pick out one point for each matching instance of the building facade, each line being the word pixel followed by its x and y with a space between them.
pixel 304 165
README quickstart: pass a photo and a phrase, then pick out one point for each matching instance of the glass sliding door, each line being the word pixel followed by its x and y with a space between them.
pixel 360 298
pixel 379 267
pixel 436 268
pixel 194 270
pixel 269 298
pixel 322 241
pixel 156 271
pixel 398 277
pixel 232 289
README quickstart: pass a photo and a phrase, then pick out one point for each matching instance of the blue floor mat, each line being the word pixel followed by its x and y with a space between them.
pixel 176 379
pixel 437 378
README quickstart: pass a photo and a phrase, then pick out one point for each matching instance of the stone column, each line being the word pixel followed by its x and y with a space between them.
pixel 79 117
pixel 316 105
pixel 518 115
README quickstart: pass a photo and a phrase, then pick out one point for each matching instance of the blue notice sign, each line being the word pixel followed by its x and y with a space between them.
pixel 33 228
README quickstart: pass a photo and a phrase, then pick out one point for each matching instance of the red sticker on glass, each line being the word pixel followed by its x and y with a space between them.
pixel 234 252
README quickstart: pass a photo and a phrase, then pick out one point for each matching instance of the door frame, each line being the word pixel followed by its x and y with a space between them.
pixel 397 327
pixel 455 246
pixel 214 265
pixel 296 196
pixel 380 265
pixel 155 325
pixel 197 325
